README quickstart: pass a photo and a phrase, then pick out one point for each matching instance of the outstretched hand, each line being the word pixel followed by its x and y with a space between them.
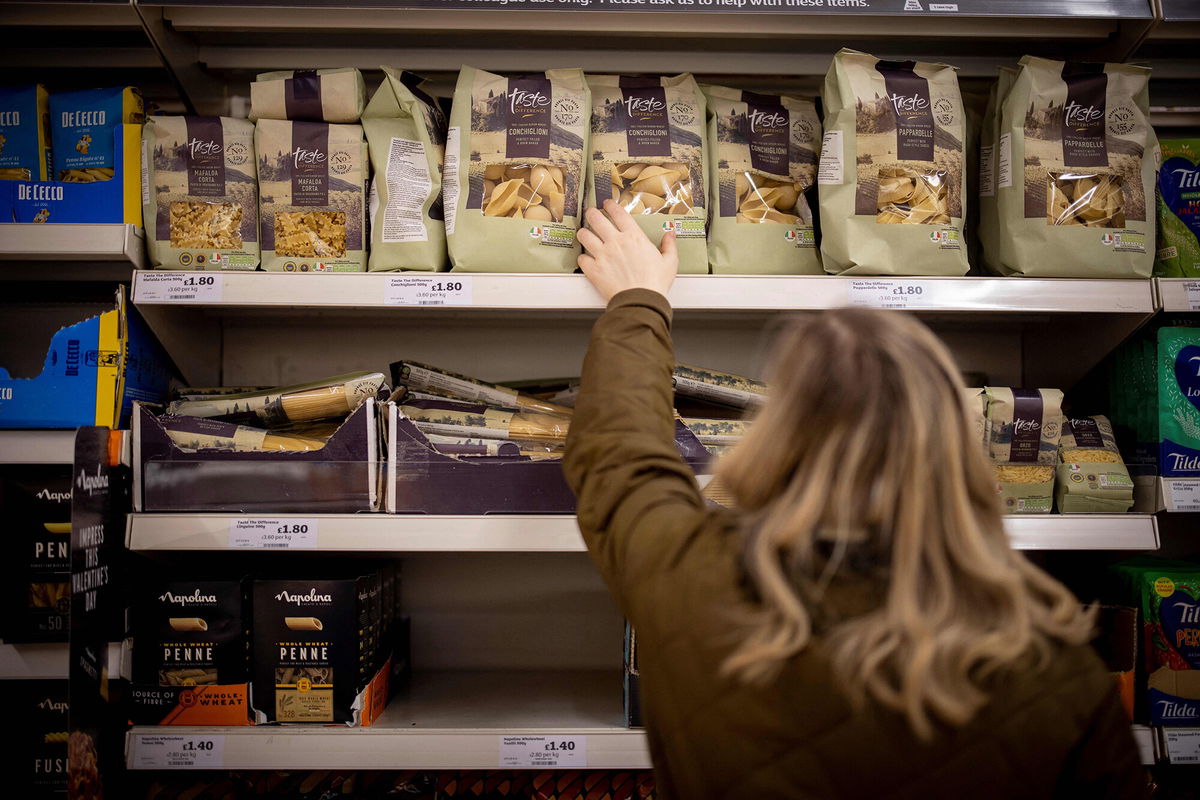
pixel 619 256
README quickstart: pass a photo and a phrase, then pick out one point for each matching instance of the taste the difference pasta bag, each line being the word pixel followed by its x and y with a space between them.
pixel 891 179
pixel 1075 172
pixel 649 154
pixel 763 159
pixel 514 170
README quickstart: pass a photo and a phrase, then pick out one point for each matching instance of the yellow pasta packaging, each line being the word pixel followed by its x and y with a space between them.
pixel 1075 172
pixel 649 154
pixel 763 161
pixel 1091 476
pixel 200 193
pixel 81 131
pixel 312 196
pixel 514 171
pixel 310 95
pixel 891 179
pixel 24 133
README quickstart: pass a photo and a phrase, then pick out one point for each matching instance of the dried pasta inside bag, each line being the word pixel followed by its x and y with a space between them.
pixel 911 197
pixel 1082 199
pixel 309 234
pixel 205 225
pixel 524 191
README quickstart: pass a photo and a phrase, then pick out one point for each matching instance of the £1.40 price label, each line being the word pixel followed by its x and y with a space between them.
pixel 428 290
pixel 891 293
pixel 1192 289
pixel 273 533
pixel 154 751
pixel 548 752
pixel 178 287
pixel 1182 495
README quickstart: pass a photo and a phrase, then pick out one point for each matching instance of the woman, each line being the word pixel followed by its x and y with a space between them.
pixel 859 626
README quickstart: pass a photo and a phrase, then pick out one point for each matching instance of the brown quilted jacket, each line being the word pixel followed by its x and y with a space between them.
pixel 673 564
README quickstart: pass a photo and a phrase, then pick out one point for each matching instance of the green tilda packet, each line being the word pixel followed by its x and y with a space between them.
pixel 1178 254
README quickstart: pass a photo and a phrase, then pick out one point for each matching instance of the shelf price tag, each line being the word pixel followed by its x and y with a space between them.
pixel 1192 289
pixel 550 752
pixel 273 533
pixel 428 290
pixel 891 293
pixel 1182 495
pixel 178 287
pixel 1183 745
pixel 156 751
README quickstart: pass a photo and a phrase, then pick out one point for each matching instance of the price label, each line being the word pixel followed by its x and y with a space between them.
pixel 1182 495
pixel 1192 288
pixel 155 751
pixel 549 752
pixel 178 287
pixel 891 294
pixel 1183 745
pixel 428 290
pixel 282 533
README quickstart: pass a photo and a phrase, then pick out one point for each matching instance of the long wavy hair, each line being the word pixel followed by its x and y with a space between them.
pixel 863 459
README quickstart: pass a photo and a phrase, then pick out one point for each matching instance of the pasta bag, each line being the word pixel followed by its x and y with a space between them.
pixel 649 154
pixel 891 179
pixel 514 171
pixel 989 214
pixel 200 192
pixel 763 161
pixel 81 131
pixel 1075 172
pixel 311 95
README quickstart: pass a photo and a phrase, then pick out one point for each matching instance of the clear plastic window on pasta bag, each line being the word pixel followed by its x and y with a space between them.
pixel 643 188
pixel 763 199
pixel 310 234
pixel 206 225
pixel 912 197
pixel 524 191
pixel 1075 198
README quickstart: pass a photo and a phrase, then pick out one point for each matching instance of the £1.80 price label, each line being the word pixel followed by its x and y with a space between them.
pixel 548 752
pixel 891 293
pixel 428 290
pixel 178 287
pixel 154 751
pixel 274 533
pixel 1192 289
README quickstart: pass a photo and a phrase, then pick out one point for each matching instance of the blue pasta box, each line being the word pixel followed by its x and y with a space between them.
pixel 116 200
pixel 81 125
pixel 93 372
pixel 24 133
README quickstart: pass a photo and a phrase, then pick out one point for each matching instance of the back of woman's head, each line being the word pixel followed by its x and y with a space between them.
pixel 864 456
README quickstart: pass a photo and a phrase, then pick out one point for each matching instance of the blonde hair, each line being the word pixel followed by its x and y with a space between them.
pixel 864 454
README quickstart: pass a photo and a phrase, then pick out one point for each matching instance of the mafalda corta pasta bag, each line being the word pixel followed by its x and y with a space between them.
pixel 199 193
pixel 514 171
pixel 406 134
pixel 762 159
pixel 312 196
pixel 1075 172
pixel 891 180
pixel 649 154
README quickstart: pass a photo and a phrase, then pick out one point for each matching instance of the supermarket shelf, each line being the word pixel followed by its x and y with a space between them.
pixel 557 293
pixel 1178 495
pixel 122 245
pixel 531 533
pixel 37 447
pixel 50 660
pixel 1179 294
pixel 1143 735
pixel 449 720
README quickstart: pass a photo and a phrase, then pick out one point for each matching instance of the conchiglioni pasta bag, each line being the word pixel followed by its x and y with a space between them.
pixel 891 178
pixel 649 154
pixel 406 135
pixel 1075 172
pixel 514 171
pixel 762 161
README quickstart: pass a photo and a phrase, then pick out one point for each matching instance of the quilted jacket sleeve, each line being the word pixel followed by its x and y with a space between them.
pixel 1104 762
pixel 639 506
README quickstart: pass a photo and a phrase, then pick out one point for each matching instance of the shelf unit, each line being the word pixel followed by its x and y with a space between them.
pixel 37 447
pixel 85 252
pixel 50 660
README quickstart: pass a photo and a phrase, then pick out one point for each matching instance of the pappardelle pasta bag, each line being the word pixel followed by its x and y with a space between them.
pixel 891 178
pixel 514 171
pixel 989 214
pixel 762 160
pixel 406 134
pixel 1075 172
pixel 200 193
pixel 649 154
pixel 312 196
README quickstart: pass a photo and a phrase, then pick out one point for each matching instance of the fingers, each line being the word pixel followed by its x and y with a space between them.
pixel 600 224
pixel 622 219
pixel 667 248
pixel 586 263
pixel 590 241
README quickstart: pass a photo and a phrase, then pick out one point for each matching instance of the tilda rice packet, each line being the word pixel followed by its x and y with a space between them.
pixel 762 162
pixel 200 193
pixel 406 135
pixel 649 154
pixel 891 179
pixel 1178 253
pixel 1179 402
pixel 312 196
pixel 1075 172
pixel 514 170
